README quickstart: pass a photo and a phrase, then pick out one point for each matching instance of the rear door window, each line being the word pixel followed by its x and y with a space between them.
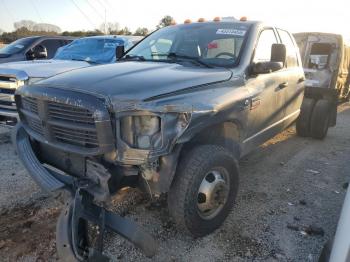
pixel 292 57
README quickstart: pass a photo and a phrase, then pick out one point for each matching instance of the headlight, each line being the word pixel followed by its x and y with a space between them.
pixel 152 132
pixel 141 131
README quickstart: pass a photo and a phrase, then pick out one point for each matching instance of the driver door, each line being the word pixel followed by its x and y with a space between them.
pixel 267 94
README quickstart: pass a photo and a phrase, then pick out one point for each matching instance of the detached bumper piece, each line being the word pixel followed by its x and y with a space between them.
pixel 44 178
pixel 72 236
pixel 74 224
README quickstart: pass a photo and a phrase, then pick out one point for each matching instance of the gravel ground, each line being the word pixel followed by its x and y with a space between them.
pixel 290 197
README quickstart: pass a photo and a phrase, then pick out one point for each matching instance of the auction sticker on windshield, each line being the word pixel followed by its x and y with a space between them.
pixel 235 32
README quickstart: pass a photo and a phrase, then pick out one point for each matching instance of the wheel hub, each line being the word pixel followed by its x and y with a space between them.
pixel 212 194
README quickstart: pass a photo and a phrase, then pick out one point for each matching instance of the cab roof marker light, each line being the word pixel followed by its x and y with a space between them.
pixel 201 20
pixel 187 21
pixel 243 19
pixel 217 19
pixel 173 22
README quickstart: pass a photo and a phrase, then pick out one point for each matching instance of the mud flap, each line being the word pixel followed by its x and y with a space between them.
pixel 71 236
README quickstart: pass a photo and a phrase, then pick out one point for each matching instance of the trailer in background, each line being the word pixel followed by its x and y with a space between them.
pixel 326 62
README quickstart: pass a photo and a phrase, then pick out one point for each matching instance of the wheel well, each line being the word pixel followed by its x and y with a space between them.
pixel 226 134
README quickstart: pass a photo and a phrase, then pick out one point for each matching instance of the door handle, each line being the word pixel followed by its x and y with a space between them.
pixel 281 86
pixel 301 79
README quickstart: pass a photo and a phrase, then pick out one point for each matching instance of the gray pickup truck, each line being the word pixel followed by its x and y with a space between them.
pixel 174 116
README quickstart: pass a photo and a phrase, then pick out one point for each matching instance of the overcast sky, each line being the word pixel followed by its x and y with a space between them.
pixel 296 15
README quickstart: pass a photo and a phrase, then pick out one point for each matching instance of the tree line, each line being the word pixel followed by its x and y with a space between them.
pixel 25 28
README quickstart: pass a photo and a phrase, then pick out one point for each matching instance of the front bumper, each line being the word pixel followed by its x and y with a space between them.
pixel 48 180
pixel 81 208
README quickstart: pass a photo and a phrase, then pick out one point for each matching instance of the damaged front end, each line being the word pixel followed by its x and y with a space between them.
pixel 77 142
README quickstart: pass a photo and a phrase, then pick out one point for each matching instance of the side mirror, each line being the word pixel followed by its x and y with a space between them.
pixel 278 53
pixel 119 51
pixel 265 67
pixel 277 61
pixel 38 52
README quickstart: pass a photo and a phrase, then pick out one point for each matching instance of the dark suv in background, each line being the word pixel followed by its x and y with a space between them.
pixel 34 47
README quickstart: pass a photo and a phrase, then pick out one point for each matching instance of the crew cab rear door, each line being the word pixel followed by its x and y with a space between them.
pixel 294 77
pixel 267 94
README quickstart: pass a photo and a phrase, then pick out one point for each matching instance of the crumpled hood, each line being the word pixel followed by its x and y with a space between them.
pixel 45 68
pixel 137 80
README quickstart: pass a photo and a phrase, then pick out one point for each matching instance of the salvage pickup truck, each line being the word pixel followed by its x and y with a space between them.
pixel 174 116
pixel 83 52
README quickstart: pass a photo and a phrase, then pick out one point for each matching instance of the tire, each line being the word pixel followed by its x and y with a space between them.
pixel 303 121
pixel 201 167
pixel 320 119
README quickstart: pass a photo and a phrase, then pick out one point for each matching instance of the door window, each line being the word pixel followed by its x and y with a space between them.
pixel 263 49
pixel 292 57
pixel 51 45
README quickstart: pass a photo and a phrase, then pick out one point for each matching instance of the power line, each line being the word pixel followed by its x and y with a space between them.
pixel 82 12
pixel 36 10
pixel 101 4
pixel 93 8
pixel 109 4
pixel 8 10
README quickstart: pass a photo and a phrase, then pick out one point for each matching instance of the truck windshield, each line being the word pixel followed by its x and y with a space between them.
pixel 17 46
pixel 211 44
pixel 93 50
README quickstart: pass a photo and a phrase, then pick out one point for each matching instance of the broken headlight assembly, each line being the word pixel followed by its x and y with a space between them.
pixel 149 132
pixel 141 131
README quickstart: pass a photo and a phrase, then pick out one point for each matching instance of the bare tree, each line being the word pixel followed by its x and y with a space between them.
pixel 124 31
pixel 165 21
pixel 28 24
pixel 109 27
pixel 142 31
pixel 47 28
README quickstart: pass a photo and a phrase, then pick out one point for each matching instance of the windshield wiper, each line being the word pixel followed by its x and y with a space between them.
pixel 173 55
pixel 131 57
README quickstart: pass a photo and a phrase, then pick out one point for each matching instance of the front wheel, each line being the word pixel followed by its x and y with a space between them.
pixel 204 189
